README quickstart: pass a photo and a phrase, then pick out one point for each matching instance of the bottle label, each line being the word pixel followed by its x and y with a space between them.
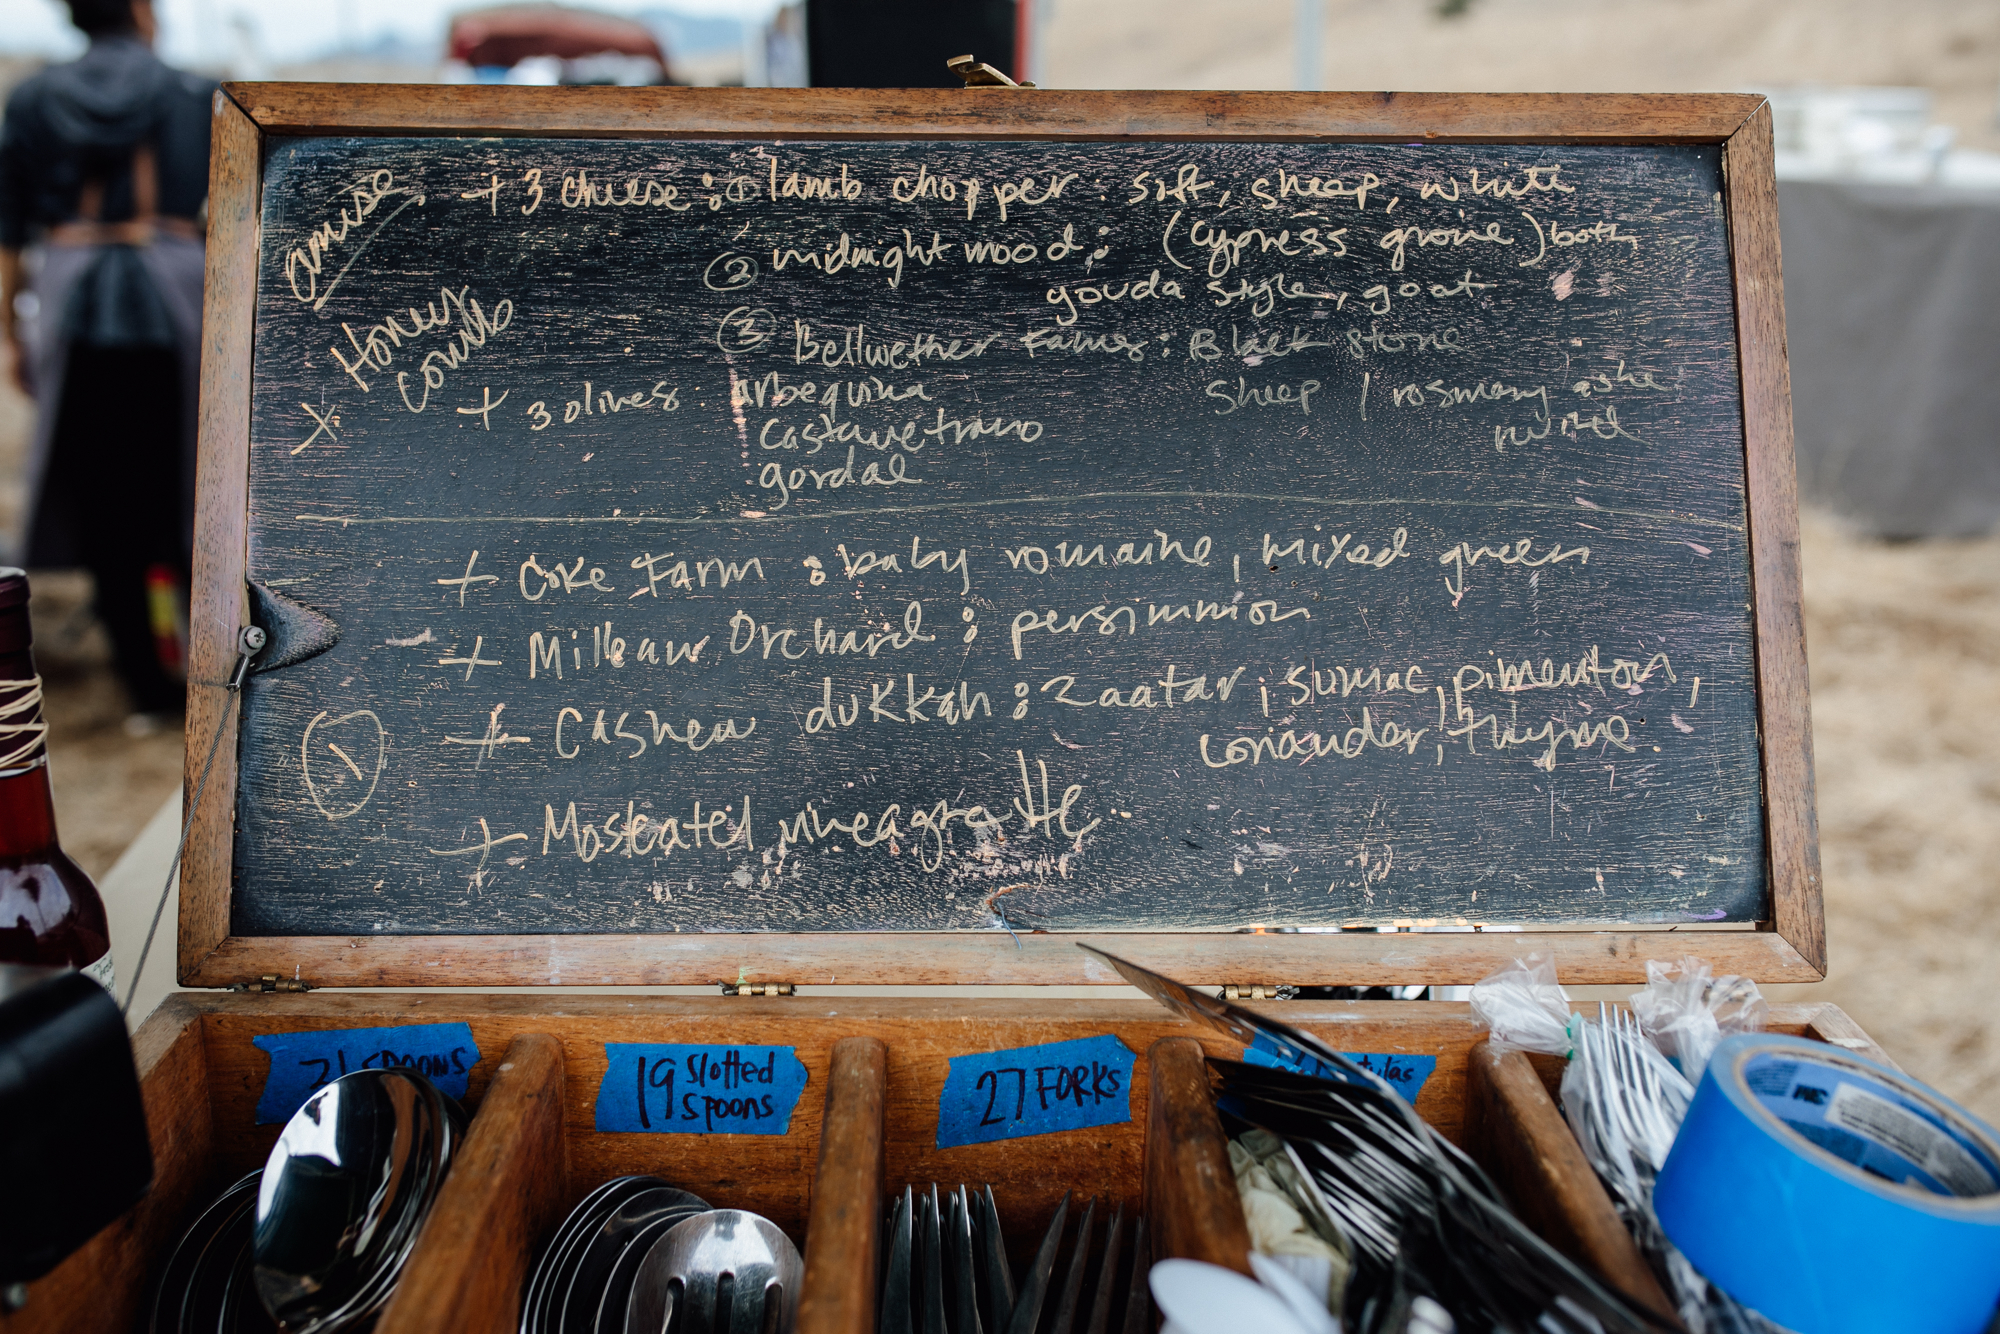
pixel 100 973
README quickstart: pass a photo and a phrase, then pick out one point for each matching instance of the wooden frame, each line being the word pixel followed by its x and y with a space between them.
pixel 1788 947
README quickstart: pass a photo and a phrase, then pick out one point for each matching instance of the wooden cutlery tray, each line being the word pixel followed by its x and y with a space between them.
pixel 866 1125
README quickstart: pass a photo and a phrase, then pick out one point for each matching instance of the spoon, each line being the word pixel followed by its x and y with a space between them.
pixel 536 1297
pixel 170 1298
pixel 1201 1298
pixel 1310 1310
pixel 683 1274
pixel 545 1316
pixel 343 1194
pixel 575 1308
pixel 617 1288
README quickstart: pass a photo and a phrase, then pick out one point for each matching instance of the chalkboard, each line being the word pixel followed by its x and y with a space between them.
pixel 817 536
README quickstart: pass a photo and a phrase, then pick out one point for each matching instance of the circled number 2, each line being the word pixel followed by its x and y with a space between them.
pixel 729 271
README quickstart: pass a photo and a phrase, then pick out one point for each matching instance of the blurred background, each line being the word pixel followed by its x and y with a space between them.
pixel 1888 126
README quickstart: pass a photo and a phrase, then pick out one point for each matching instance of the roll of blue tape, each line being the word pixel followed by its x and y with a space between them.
pixel 1833 1195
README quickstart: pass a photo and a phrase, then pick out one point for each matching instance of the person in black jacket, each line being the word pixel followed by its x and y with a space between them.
pixel 103 178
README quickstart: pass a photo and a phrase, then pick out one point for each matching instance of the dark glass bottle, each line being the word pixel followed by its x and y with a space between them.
pixel 50 912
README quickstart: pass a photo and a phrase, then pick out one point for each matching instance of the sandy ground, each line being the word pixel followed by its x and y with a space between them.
pixel 1904 642
pixel 1904 639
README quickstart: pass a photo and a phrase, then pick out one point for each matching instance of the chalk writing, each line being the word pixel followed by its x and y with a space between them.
pixel 727 535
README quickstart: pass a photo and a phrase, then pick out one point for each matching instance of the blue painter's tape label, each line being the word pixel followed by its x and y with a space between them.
pixel 1035 1091
pixel 303 1062
pixel 1405 1073
pixel 655 1088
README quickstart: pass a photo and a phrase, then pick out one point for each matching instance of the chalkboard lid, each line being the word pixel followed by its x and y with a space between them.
pixel 1789 946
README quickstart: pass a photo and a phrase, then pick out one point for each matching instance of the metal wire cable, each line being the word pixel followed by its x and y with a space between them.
pixel 248 645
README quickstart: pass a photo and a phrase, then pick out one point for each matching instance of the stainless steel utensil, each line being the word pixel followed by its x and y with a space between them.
pixel 930 1272
pixel 617 1290
pixel 206 1302
pixel 1388 1174
pixel 534 1297
pixel 343 1195
pixel 996 1275
pixel 242 1310
pixel 964 1283
pixel 1028 1306
pixel 552 1270
pixel 1107 1276
pixel 896 1315
pixel 171 1295
pixel 1079 1259
pixel 574 1309
pixel 1138 1294
pixel 722 1272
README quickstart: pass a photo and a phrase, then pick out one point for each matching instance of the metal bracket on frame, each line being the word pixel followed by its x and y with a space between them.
pixel 758 989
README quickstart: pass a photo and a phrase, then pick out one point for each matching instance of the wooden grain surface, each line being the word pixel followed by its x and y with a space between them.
pixel 1783 687
pixel 1831 1024
pixel 653 113
pixel 843 1230
pixel 1193 1209
pixel 1515 1131
pixel 201 1079
pixel 507 1189
pixel 1352 959
pixel 772 1174
pixel 103 1287
pixel 222 522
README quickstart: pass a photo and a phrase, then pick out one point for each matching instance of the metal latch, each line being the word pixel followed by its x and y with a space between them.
pixel 1260 992
pixel 271 982
pixel 757 989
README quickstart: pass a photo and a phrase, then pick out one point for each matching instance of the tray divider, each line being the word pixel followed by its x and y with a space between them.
pixel 844 1227
pixel 1514 1130
pixel 1829 1023
pixel 509 1185
pixel 1193 1211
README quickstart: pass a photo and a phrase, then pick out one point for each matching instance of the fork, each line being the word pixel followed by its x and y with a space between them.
pixel 1079 1259
pixel 1028 1306
pixel 896 1280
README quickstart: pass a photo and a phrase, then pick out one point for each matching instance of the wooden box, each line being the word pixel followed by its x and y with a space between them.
pixel 876 1067
pixel 534 1150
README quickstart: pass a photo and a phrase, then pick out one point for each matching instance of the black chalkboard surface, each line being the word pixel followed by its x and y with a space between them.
pixel 890 536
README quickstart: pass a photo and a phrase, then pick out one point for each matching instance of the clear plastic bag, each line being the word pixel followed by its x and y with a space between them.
pixel 1627 1087
pixel 1524 1007
pixel 1686 1011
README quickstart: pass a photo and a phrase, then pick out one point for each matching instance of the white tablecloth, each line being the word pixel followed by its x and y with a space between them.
pixel 1892 303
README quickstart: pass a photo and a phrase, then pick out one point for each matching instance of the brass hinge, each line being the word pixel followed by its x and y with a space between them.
pixel 1260 992
pixel 757 989
pixel 271 982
